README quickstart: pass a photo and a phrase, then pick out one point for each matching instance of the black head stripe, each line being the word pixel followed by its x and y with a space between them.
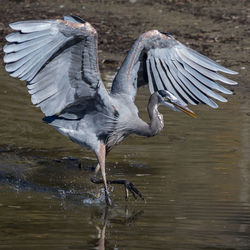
pixel 163 93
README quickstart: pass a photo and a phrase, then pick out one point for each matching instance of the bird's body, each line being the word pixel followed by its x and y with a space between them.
pixel 59 61
pixel 110 125
pixel 99 123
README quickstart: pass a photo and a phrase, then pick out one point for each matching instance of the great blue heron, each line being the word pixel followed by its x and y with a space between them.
pixel 59 61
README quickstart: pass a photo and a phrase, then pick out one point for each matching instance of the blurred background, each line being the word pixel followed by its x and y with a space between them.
pixel 195 175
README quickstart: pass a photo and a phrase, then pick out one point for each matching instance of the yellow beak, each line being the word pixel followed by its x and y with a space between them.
pixel 186 110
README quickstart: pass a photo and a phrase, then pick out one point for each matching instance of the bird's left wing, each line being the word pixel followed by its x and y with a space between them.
pixel 57 58
pixel 160 61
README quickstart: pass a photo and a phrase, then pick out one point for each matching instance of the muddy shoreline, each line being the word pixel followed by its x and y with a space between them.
pixel 210 26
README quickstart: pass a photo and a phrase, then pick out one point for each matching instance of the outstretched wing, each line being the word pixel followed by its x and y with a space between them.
pixel 160 61
pixel 57 58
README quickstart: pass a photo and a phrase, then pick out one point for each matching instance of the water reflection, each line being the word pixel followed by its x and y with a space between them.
pixel 37 199
pixel 244 162
pixel 195 177
pixel 112 217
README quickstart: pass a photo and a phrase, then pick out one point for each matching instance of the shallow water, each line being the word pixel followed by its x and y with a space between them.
pixel 195 177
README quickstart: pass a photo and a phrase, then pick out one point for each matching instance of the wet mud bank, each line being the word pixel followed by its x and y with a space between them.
pixel 216 28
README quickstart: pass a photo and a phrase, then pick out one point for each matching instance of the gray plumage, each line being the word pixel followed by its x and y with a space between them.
pixel 58 60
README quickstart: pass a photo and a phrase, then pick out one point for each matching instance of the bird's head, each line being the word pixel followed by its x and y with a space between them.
pixel 167 99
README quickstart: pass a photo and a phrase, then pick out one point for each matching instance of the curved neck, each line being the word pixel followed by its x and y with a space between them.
pixel 156 123
pixel 156 119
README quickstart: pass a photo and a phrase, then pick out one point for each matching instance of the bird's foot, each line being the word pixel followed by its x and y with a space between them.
pixel 107 196
pixel 108 200
pixel 129 187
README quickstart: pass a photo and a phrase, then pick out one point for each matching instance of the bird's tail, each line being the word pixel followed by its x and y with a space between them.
pixel 54 120
pixel 50 119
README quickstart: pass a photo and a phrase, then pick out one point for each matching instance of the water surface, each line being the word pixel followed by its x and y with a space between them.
pixel 195 177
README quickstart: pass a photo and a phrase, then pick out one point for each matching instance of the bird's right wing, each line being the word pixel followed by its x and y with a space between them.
pixel 57 58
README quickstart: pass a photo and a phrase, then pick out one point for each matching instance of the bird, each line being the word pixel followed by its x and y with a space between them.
pixel 58 59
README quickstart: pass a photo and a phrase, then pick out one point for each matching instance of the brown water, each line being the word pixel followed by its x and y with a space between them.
pixel 195 177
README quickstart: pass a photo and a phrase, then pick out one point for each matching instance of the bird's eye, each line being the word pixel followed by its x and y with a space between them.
pixel 166 99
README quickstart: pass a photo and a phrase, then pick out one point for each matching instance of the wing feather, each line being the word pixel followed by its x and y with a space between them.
pixel 167 78
pixel 156 75
pixel 31 26
pixel 150 81
pixel 206 71
pixel 204 61
pixel 18 37
pixel 35 42
pixel 205 80
pixel 199 95
pixel 171 71
pixel 198 84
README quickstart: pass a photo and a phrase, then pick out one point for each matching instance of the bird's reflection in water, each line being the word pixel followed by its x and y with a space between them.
pixel 110 217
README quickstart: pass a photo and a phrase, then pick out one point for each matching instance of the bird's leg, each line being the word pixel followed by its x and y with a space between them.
pixel 101 155
pixel 97 168
pixel 129 186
